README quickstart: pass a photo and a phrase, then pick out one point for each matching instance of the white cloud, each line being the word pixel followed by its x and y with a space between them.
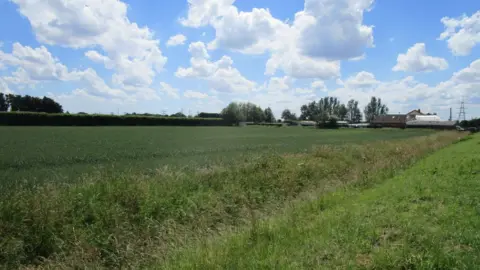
pixel 250 32
pixel 298 66
pixel 169 90
pixel 401 94
pixel 98 58
pixel 278 84
pixel 220 75
pixel 176 40
pixel 417 60
pixel 37 65
pixel 194 94
pixel 201 12
pixel 78 93
pixel 324 32
pixel 333 29
pixel 470 74
pixel 319 85
pixel 94 83
pixel 33 64
pixel 303 90
pixel 462 34
pixel 4 87
pixel 131 49
pixel 362 79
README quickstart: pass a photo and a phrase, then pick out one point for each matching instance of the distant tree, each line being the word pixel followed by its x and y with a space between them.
pixel 233 113
pixel 14 101
pixel 3 103
pixel 288 115
pixel 48 105
pixel 374 108
pixel 342 112
pixel 178 114
pixel 269 117
pixel 32 104
pixel 323 110
pixel 354 115
pixel 252 112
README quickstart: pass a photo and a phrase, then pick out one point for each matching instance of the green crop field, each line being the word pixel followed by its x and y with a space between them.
pixel 236 198
pixel 39 154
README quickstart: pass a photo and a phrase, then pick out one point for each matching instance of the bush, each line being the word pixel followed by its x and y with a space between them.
pixel 44 119
pixel 331 124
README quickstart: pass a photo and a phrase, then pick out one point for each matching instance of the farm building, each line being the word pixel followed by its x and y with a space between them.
pixel 390 120
pixel 395 120
pixel 432 124
pixel 413 119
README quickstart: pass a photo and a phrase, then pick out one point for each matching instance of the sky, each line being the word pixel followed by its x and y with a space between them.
pixel 159 56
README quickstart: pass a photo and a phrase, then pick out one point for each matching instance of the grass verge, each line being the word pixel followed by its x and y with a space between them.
pixel 425 218
pixel 128 221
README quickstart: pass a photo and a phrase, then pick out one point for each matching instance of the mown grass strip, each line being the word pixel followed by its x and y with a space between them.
pixel 425 218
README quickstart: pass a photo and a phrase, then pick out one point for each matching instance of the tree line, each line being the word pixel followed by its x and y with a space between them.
pixel 237 112
pixel 19 103
pixel 322 111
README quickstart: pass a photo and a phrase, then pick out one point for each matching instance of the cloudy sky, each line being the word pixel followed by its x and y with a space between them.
pixel 197 55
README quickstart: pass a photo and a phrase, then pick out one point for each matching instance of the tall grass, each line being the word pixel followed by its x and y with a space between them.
pixel 424 218
pixel 133 219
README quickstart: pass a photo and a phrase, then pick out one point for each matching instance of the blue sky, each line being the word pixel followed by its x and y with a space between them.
pixel 198 55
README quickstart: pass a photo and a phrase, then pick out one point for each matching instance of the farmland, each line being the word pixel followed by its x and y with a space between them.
pixel 424 218
pixel 62 154
pixel 117 197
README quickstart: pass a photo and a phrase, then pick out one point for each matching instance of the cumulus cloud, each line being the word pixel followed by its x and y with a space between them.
pixel 401 94
pixel 323 33
pixel 220 75
pixel 470 74
pixel 461 34
pixel 33 64
pixel 201 12
pixel 278 84
pixel 194 94
pixel 253 32
pixel 4 87
pixel 37 65
pixel 319 85
pixel 176 40
pixel 417 60
pixel 78 93
pixel 169 90
pixel 334 29
pixel 131 49
pixel 362 79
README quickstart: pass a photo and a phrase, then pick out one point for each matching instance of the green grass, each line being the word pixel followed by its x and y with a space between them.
pixel 427 217
pixel 134 219
pixel 34 155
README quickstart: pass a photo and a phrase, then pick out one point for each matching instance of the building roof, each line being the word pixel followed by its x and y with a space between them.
pixel 415 112
pixel 390 118
pixel 431 123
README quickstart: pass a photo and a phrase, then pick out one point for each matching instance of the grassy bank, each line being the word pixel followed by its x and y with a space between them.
pixel 425 218
pixel 132 220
